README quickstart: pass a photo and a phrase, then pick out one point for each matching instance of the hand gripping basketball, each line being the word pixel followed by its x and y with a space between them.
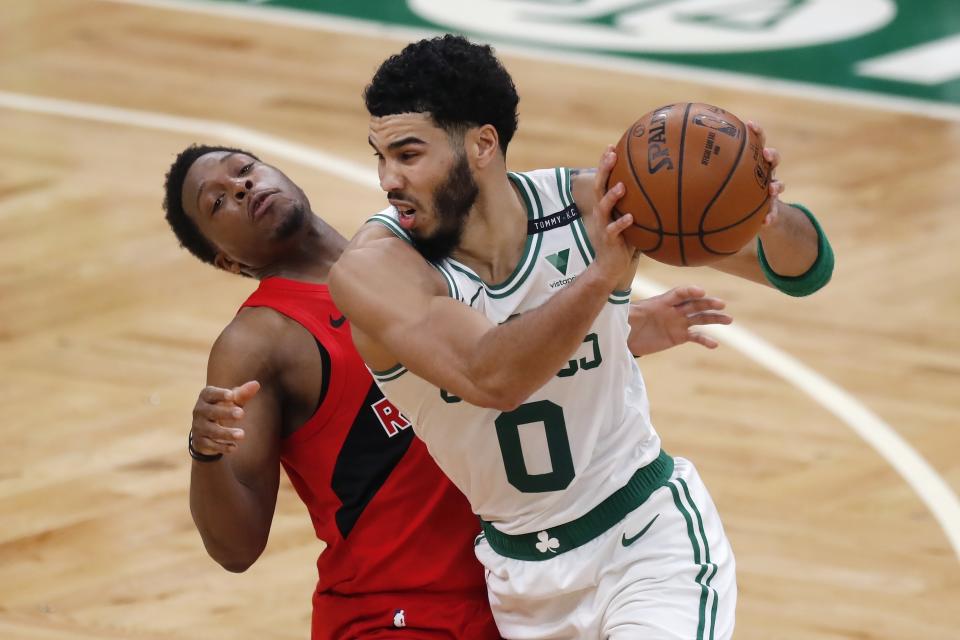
pixel 697 183
pixel 614 251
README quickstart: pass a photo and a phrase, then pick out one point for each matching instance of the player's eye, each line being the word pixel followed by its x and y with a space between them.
pixel 245 169
pixel 216 204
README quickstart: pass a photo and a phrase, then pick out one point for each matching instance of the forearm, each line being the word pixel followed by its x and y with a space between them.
pixel 818 271
pixel 638 340
pixel 791 244
pixel 794 257
pixel 228 515
pixel 518 357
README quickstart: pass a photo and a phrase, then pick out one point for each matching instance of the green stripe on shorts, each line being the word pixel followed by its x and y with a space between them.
pixel 705 566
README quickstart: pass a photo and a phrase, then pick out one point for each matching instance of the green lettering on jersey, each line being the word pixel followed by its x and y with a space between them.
pixel 574 365
pixel 568 370
pixel 449 398
pixel 597 358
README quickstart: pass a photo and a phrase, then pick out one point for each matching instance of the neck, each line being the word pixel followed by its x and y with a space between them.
pixel 311 254
pixel 496 231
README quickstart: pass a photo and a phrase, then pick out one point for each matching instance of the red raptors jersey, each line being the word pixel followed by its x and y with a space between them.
pixel 399 560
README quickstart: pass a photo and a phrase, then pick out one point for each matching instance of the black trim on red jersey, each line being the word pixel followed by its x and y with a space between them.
pixel 366 459
pixel 325 374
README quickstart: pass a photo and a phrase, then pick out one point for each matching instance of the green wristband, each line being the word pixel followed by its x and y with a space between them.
pixel 815 277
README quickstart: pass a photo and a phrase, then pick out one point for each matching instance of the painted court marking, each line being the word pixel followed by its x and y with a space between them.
pixel 922 478
pixel 300 19
pixel 929 63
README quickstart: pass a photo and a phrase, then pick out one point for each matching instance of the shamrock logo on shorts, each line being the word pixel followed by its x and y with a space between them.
pixel 547 543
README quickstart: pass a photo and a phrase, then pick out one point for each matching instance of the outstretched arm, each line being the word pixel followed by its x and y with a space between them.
pixel 232 499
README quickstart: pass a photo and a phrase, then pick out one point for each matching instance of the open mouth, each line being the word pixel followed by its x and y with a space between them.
pixel 406 214
pixel 407 217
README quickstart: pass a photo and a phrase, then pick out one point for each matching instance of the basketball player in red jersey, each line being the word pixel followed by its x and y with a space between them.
pixel 288 388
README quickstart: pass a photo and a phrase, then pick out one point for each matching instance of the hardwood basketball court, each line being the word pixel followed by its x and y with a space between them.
pixel 105 325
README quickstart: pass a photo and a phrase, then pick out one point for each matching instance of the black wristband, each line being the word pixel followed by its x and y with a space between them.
pixel 201 457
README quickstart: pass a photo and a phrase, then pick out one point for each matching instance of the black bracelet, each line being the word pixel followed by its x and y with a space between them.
pixel 200 457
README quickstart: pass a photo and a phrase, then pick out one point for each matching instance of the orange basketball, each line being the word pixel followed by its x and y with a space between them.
pixel 696 183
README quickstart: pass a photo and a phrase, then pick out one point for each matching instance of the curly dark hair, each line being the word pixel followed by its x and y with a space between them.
pixel 186 231
pixel 459 83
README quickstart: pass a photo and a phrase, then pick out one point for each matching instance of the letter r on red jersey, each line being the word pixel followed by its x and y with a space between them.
pixel 390 418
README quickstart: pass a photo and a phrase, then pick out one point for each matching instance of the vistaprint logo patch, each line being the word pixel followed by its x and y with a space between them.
pixel 559 261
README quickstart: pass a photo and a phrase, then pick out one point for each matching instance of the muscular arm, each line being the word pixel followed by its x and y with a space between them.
pixel 450 344
pixel 398 314
pixel 232 500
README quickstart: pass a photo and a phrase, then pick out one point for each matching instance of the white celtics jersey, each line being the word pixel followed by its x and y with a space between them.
pixel 573 442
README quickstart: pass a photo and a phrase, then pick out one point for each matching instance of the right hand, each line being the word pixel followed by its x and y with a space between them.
pixel 669 319
pixel 613 253
pixel 217 417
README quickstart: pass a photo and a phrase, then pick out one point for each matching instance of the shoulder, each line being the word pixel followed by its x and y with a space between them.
pixel 254 342
pixel 581 185
pixel 253 328
pixel 377 256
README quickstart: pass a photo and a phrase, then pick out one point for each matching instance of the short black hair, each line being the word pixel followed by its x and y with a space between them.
pixel 185 229
pixel 458 83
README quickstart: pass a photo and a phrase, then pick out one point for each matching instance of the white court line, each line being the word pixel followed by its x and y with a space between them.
pixel 915 470
pixel 912 467
pixel 724 79
pixel 203 129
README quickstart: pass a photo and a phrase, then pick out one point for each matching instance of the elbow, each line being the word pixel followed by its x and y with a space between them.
pixel 236 565
pixel 235 560
pixel 503 398
pixel 509 403
pixel 501 388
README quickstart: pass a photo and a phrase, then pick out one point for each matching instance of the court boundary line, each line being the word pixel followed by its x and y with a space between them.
pixel 933 491
pixel 296 18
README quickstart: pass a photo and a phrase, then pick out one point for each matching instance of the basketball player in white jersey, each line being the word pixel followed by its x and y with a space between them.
pixel 491 307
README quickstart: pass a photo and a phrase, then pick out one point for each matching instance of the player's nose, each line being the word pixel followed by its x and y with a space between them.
pixel 241 187
pixel 390 179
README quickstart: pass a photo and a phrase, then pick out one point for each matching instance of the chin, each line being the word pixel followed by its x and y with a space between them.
pixel 290 222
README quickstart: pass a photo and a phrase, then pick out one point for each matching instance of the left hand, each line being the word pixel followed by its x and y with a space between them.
pixel 776 187
pixel 666 320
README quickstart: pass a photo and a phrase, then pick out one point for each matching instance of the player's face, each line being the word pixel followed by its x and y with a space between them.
pixel 246 208
pixel 427 178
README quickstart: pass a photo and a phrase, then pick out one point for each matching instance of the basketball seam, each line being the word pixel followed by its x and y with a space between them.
pixel 639 183
pixel 692 234
pixel 750 215
pixel 683 142
pixel 766 197
pixel 726 181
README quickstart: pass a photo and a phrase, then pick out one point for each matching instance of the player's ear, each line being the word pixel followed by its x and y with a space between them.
pixel 225 262
pixel 485 144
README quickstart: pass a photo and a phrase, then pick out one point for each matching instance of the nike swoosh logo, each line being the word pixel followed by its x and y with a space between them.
pixel 336 323
pixel 629 541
